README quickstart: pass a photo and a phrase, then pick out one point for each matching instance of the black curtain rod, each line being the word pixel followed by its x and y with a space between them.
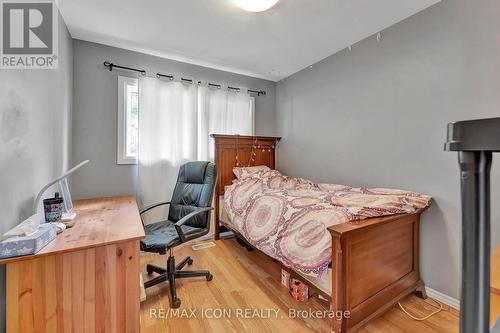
pixel 110 66
pixel 170 77
pixel 258 92
pixel 218 86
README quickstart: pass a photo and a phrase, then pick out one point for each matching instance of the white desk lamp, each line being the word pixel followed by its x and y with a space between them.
pixel 64 175
pixel 31 224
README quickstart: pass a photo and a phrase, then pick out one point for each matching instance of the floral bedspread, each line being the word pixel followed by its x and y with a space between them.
pixel 287 218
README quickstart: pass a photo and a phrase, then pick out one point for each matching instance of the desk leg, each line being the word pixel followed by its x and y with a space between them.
pixel 475 184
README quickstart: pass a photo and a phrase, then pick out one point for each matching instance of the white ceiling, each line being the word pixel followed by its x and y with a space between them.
pixel 214 33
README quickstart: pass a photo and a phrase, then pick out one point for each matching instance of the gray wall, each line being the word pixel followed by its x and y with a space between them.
pixel 95 112
pixel 376 116
pixel 35 136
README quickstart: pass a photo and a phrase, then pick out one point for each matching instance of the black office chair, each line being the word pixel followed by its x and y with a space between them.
pixel 188 218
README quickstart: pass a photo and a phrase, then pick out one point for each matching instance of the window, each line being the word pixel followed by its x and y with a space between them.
pixel 128 120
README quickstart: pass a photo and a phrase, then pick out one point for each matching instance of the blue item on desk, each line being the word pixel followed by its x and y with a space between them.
pixel 25 245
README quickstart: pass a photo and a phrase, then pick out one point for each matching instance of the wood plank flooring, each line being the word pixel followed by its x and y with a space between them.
pixel 250 281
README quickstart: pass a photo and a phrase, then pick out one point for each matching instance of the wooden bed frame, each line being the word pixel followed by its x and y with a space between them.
pixel 375 262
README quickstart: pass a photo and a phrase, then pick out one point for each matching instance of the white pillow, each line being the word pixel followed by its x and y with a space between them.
pixel 245 172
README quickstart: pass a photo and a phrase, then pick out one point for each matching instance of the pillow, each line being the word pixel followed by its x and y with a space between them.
pixel 245 172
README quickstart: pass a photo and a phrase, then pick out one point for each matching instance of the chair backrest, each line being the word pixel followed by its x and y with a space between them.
pixel 194 188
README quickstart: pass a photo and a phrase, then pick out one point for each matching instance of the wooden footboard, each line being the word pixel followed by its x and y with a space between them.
pixel 375 264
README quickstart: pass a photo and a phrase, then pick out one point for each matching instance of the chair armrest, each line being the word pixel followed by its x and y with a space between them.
pixel 147 208
pixel 186 218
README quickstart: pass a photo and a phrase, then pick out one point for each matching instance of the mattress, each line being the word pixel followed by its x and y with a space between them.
pixel 322 283
pixel 288 218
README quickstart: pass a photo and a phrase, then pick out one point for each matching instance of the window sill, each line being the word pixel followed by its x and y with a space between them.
pixel 126 162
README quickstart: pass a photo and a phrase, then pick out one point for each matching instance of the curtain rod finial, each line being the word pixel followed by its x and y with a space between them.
pixel 109 65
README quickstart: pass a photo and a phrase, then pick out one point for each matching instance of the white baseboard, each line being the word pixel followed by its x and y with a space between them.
pixel 211 235
pixel 207 237
pixel 443 298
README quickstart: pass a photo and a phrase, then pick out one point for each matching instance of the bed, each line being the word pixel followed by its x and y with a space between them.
pixel 372 262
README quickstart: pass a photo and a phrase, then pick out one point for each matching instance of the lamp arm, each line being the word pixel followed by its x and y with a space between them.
pixel 64 175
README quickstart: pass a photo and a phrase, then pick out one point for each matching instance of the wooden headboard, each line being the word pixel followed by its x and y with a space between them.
pixel 243 151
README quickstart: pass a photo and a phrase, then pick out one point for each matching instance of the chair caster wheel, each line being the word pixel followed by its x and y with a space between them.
pixel 210 277
pixel 149 270
pixel 176 303
pixel 190 261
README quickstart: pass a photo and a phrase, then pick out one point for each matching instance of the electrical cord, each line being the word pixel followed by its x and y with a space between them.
pixel 423 318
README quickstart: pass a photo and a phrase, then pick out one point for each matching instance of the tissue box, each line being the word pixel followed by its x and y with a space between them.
pixel 25 245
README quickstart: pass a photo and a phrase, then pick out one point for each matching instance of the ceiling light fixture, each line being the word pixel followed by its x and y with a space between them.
pixel 255 5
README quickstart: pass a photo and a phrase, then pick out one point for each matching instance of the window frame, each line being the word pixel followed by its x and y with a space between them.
pixel 121 156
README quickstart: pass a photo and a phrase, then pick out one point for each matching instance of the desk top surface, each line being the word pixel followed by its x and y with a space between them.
pixel 99 222
pixel 495 271
pixel 474 135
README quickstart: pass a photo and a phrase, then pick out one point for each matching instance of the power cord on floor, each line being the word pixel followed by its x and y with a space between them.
pixel 423 318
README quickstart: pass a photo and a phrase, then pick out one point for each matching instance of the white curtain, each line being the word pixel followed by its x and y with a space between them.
pixel 167 117
pixel 175 121
pixel 222 111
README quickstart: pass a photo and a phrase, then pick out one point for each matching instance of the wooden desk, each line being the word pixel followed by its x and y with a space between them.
pixel 495 285
pixel 85 280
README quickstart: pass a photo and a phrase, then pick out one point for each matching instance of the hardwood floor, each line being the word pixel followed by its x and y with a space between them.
pixel 250 281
